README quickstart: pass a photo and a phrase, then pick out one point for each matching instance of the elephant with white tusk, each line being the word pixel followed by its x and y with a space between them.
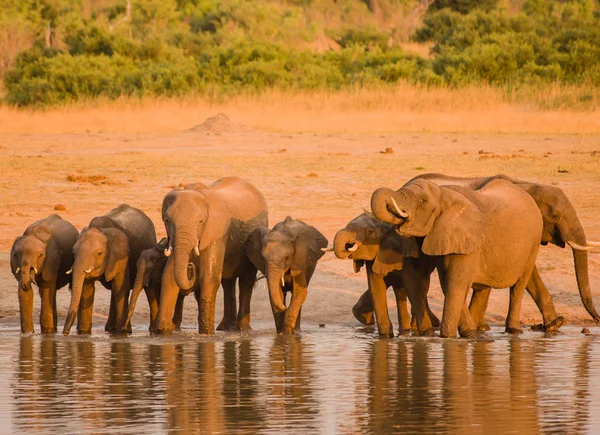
pixel 287 255
pixel 108 251
pixel 43 255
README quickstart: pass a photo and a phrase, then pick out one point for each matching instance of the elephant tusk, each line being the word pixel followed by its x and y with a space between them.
pixel 88 270
pixel 168 251
pixel 327 249
pixel 574 245
pixel 401 213
pixel 592 243
pixel 369 213
pixel 197 251
pixel 69 272
pixel 35 270
pixel 353 248
pixel 18 270
pixel 282 282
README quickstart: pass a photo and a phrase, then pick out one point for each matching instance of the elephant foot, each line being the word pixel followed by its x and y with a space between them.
pixel 555 324
pixel 364 318
pixel 164 332
pixel 402 332
pixel 483 327
pixel 511 330
pixel 47 330
pixel 288 330
pixel 82 332
pixel 206 331
pixel 469 333
pixel 227 325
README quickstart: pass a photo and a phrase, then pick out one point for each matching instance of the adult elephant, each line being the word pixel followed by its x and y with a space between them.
pixel 150 267
pixel 208 229
pixel 288 256
pixel 561 227
pixel 367 240
pixel 108 250
pixel 42 255
pixel 487 238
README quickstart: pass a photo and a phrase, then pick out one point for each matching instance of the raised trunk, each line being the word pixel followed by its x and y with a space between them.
pixel 343 238
pixel 381 206
pixel 137 289
pixel 274 277
pixel 580 258
pixel 184 243
pixel 76 290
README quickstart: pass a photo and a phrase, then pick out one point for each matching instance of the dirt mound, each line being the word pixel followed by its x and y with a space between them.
pixel 218 124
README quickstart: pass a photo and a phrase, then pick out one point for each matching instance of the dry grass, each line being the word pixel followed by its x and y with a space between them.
pixel 399 108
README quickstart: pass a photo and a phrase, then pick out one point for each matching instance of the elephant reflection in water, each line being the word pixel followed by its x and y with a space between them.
pixel 289 385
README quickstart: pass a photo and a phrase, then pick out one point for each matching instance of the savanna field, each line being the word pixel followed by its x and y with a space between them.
pixel 317 103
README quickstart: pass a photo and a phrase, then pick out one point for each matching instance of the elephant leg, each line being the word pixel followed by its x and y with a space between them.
pixel 363 309
pixel 246 284
pixel 298 327
pixel 229 306
pixel 298 298
pixel 456 279
pixel 209 284
pixel 86 308
pixel 378 289
pixel 478 307
pixel 47 318
pixel 513 319
pixel 169 291
pixel 412 276
pixel 402 308
pixel 26 308
pixel 151 295
pixel 121 290
pixel 112 314
pixel 425 278
pixel 539 293
pixel 178 316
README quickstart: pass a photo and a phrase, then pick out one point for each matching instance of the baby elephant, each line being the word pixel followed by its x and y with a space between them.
pixel 42 255
pixel 288 256
pixel 150 268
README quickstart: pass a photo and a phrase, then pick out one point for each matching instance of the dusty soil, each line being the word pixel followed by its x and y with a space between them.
pixel 324 179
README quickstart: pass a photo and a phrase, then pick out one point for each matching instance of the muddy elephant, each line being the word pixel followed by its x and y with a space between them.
pixel 108 251
pixel 561 227
pixel 150 267
pixel 208 229
pixel 288 256
pixel 367 240
pixel 42 255
pixel 481 239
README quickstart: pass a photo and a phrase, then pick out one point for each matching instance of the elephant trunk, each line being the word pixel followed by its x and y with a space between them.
pixel 343 239
pixel 580 258
pixel 76 290
pixel 137 289
pixel 274 278
pixel 184 243
pixel 382 206
pixel 25 278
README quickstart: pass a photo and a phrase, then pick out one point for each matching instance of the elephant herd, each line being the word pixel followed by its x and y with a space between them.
pixel 478 233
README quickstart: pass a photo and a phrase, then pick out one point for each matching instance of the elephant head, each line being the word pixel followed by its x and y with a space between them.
pixel 149 259
pixel 447 220
pixel 290 249
pixel 193 222
pixel 34 256
pixel 562 227
pixel 366 238
pixel 97 253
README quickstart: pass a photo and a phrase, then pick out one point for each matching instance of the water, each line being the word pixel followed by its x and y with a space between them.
pixel 332 380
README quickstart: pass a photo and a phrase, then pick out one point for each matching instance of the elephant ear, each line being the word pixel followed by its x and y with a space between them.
pixel 13 262
pixel 42 232
pixel 254 248
pixel 118 253
pixel 308 245
pixel 216 224
pixel 459 228
pixel 392 251
pixel 358 264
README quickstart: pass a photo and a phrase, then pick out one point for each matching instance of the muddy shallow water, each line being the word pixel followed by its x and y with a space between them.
pixel 333 380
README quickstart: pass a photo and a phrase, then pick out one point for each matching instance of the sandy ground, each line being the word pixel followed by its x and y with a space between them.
pixel 322 178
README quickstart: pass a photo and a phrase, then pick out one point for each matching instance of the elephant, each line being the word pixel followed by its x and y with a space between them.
pixel 150 268
pixel 287 255
pixel 108 250
pixel 481 239
pixel 367 240
pixel 207 229
pixel 42 255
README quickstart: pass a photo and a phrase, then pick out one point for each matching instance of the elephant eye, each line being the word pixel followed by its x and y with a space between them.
pixel 423 200
pixel 99 253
